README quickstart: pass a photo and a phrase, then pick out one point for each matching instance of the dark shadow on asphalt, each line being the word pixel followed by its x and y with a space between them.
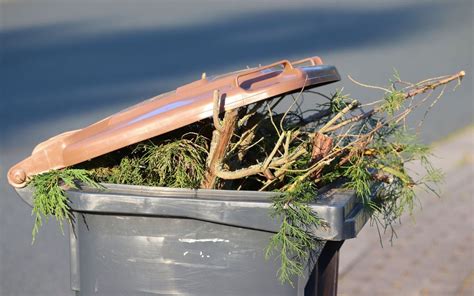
pixel 46 73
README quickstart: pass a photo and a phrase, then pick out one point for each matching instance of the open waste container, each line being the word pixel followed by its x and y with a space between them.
pixel 144 240
pixel 135 240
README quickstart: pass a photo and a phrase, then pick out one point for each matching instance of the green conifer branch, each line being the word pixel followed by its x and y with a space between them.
pixel 49 198
pixel 293 243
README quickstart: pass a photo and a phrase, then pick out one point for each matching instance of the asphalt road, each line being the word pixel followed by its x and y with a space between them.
pixel 64 65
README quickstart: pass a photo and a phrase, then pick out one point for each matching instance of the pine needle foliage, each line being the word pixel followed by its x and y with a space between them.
pixel 380 178
pixel 359 178
pixel 339 101
pixel 294 242
pixel 49 197
pixel 129 171
pixel 177 164
pixel 393 101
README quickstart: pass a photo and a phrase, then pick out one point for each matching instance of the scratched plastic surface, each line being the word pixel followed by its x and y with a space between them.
pixel 139 240
pixel 131 255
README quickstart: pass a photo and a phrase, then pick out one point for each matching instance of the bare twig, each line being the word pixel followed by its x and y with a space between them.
pixel 367 85
pixel 259 168
pixel 341 113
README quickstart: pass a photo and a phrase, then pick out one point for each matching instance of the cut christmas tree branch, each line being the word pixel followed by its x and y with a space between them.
pixel 419 88
pixel 49 197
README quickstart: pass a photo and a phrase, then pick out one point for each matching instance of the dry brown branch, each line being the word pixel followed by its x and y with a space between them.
pixel 341 113
pixel 350 120
pixel 420 89
pixel 245 140
pixel 432 85
pixel 267 162
pixel 322 145
pixel 216 111
pixel 278 162
pixel 260 167
pixel 220 142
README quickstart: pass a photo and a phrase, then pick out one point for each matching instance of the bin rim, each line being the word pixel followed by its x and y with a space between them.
pixel 339 208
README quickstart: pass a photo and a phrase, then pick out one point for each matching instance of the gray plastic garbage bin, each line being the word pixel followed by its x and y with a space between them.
pixel 135 240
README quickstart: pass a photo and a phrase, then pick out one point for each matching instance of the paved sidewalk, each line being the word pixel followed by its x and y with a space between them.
pixel 433 254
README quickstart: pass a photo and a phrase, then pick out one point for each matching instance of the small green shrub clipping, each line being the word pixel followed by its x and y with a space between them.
pixel 49 198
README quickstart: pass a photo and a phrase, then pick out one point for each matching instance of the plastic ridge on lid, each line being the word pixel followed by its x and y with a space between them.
pixel 188 104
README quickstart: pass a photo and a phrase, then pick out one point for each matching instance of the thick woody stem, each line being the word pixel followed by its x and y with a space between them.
pixel 216 111
pixel 220 142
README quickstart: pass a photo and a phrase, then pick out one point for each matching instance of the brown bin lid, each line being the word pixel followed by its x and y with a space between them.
pixel 187 104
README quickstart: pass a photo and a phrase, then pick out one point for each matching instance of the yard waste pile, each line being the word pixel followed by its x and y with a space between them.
pixel 260 129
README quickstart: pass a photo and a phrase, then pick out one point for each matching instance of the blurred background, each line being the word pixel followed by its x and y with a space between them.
pixel 67 64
